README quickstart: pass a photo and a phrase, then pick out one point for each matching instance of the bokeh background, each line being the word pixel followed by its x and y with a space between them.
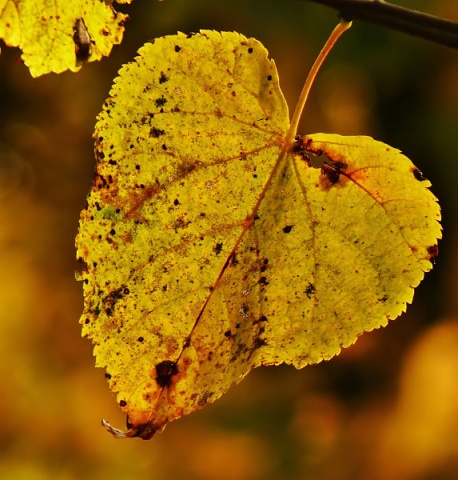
pixel 386 408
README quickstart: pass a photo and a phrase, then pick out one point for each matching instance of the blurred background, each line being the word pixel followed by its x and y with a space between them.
pixel 386 408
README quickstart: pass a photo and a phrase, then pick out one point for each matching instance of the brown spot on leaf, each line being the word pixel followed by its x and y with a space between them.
pixel 418 174
pixel 433 252
pixel 161 101
pixel 109 302
pixel 184 168
pixel 82 41
pixel 165 370
pixel 205 398
pixel 156 132
pixel 180 223
pixel 332 167
pixel 299 149
pixel 310 290
pixel 330 173
pixel 258 343
pixel 145 431
pixel 138 197
pixel 81 266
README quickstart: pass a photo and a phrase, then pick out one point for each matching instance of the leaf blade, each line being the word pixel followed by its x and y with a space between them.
pixel 211 250
pixel 56 37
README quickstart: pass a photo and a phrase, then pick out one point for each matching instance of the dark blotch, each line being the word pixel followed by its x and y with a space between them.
pixel 144 431
pixel 156 132
pixel 122 403
pixel 331 173
pixel 310 290
pixel 258 343
pixel 177 48
pixel 164 373
pixel 109 302
pixel 161 101
pixel 287 229
pixel 418 174
pixel 433 252
pixel 82 41
pixel 163 78
pixel 218 247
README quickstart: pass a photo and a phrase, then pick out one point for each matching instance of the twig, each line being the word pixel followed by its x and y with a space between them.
pixel 412 22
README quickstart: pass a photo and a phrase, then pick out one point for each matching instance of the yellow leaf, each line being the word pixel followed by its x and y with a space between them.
pixel 60 35
pixel 212 246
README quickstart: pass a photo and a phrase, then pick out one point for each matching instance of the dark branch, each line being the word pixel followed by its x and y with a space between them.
pixel 418 24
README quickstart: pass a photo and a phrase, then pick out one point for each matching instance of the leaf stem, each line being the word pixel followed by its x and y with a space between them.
pixel 342 27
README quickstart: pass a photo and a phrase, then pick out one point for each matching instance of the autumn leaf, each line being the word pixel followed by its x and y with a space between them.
pixel 60 35
pixel 216 241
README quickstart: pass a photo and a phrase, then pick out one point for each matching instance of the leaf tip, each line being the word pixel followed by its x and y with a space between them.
pixel 116 432
pixel 145 431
